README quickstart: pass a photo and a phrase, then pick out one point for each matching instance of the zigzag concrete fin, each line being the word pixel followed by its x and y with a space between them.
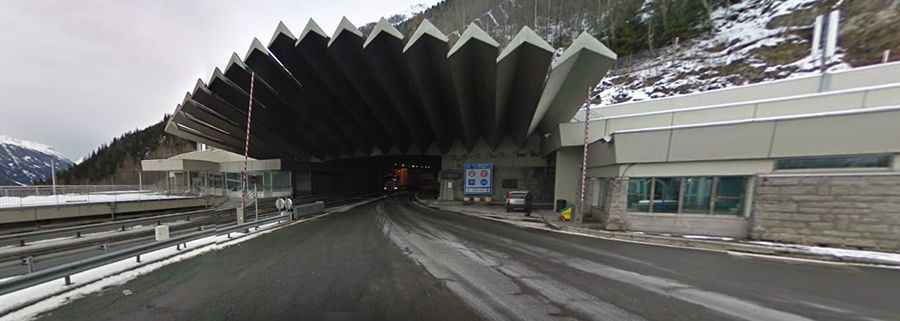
pixel 473 32
pixel 236 60
pixel 258 46
pixel 282 29
pixel 311 26
pixel 425 28
pixel 383 27
pixel 526 35
pixel 585 42
pixel 345 25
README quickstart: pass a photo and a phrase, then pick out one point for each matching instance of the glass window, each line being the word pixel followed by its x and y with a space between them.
pixel 730 195
pixel 639 194
pixel 860 161
pixel 233 181
pixel 666 194
pixel 697 194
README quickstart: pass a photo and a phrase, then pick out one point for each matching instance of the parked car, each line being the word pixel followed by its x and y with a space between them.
pixel 518 200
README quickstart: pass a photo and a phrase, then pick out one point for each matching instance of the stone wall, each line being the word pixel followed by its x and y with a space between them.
pixel 612 211
pixel 856 211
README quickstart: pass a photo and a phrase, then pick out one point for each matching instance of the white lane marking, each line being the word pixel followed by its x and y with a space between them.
pixel 487 291
pixel 723 303
pixel 802 260
pixel 496 285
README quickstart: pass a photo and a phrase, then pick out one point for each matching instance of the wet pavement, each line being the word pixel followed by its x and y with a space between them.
pixel 395 260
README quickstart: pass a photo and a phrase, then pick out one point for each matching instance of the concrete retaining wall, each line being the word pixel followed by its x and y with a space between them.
pixel 54 212
pixel 859 211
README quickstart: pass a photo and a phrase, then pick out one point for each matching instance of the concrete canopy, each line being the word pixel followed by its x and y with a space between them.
pixel 352 95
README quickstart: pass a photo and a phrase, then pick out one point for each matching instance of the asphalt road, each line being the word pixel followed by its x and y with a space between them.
pixel 398 261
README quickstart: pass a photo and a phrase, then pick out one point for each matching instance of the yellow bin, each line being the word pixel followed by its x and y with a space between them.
pixel 566 214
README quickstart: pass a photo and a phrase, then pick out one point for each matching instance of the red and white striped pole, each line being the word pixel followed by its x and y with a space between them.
pixel 244 180
pixel 584 160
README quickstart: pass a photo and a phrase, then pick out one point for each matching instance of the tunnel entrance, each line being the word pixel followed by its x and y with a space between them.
pixel 375 174
pixel 416 174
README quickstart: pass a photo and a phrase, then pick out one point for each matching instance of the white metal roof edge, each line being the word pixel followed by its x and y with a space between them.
pixel 752 102
pixel 765 119
pixel 605 139
pixel 425 28
pixel 525 35
pixel 382 27
pixel 472 32
pixel 345 25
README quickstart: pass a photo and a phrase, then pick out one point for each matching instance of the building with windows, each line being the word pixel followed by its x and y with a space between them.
pixel 811 160
pixel 218 172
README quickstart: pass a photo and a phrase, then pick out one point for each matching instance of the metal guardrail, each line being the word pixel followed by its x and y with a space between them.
pixel 45 190
pixel 29 253
pixel 65 271
pixel 22 238
pixel 306 209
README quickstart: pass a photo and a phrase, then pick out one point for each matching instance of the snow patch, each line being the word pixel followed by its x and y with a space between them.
pixel 849 254
pixel 63 199
pixel 704 237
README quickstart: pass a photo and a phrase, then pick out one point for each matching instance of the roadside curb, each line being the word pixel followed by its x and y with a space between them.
pixel 552 225
pixel 731 248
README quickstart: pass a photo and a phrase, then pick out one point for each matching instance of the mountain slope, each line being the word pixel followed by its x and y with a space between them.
pixel 119 161
pixel 23 162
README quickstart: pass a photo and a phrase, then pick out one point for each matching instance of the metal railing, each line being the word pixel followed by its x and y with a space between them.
pixel 21 239
pixel 43 195
pixel 65 271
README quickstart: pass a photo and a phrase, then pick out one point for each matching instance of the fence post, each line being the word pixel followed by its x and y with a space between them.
pixel 68 280
pixel 29 262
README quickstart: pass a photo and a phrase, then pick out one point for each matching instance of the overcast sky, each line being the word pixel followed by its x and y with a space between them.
pixel 75 74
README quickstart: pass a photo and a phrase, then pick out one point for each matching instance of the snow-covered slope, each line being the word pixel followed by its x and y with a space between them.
pixel 23 162
pixel 752 41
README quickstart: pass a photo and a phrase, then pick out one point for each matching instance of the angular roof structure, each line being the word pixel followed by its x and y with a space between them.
pixel 345 96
